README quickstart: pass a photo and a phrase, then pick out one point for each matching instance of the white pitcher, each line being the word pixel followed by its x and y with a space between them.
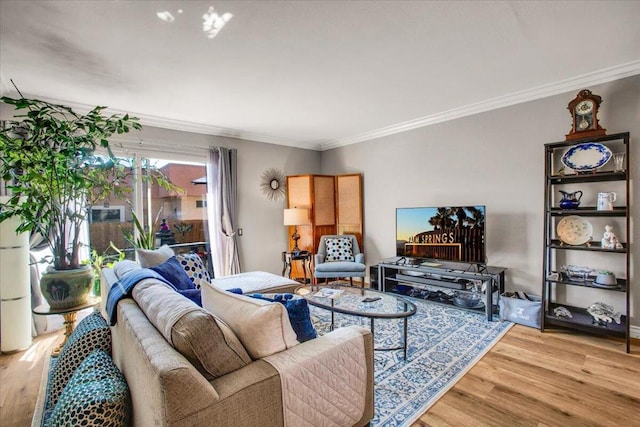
pixel 605 201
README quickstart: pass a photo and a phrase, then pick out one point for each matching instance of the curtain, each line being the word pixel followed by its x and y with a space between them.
pixel 221 200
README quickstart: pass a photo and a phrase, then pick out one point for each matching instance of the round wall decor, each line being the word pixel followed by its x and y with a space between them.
pixel 272 184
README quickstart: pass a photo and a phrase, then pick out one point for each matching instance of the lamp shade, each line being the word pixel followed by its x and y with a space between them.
pixel 296 216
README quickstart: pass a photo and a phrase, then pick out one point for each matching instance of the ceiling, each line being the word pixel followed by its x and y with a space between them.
pixel 312 74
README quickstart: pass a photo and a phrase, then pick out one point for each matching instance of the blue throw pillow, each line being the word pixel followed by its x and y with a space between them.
pixel 235 291
pixel 298 311
pixel 194 295
pixel 172 271
pixel 92 333
pixel 97 394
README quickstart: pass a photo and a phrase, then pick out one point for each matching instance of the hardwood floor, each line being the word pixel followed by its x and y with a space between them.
pixel 527 379
pixel 20 375
pixel 551 379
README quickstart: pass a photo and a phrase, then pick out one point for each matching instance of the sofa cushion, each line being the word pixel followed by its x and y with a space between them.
pixel 195 269
pixel 262 326
pixel 172 270
pixel 206 341
pixel 152 257
pixel 298 311
pixel 125 266
pixel 339 249
pixel 256 281
pixel 97 394
pixel 337 266
pixel 91 333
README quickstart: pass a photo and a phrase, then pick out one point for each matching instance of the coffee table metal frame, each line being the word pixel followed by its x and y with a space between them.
pixel 334 306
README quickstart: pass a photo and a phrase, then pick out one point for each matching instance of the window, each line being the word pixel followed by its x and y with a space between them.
pixel 182 209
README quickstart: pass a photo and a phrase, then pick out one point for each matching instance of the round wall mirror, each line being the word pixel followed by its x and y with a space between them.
pixel 272 184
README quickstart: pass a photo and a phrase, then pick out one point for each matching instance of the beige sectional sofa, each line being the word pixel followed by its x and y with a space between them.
pixel 186 367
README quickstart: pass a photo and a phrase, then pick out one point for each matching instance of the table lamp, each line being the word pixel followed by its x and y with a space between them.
pixel 296 217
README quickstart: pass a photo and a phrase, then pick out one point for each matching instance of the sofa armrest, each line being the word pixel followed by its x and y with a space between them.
pixel 318 258
pixel 360 258
pixel 338 366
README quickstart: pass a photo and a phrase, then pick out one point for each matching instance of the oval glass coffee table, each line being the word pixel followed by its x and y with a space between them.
pixel 360 302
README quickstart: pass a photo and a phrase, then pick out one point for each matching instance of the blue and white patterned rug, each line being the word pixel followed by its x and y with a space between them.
pixel 444 343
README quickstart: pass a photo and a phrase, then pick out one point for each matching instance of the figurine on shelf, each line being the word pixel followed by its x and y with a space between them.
pixel 609 239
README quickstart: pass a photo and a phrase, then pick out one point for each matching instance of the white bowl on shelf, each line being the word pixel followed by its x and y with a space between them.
pixel 606 278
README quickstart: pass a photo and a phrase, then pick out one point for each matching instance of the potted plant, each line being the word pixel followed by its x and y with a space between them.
pixel 50 160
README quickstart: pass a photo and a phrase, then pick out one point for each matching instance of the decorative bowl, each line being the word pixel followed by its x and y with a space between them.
pixel 576 272
pixel 467 300
pixel 606 278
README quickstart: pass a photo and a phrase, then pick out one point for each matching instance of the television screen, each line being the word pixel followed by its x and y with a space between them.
pixel 452 233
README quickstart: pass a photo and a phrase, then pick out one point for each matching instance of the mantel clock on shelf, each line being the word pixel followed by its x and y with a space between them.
pixel 584 116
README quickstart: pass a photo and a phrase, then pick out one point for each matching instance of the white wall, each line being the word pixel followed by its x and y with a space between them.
pixel 495 159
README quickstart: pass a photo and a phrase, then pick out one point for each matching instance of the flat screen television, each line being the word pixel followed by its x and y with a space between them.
pixel 451 233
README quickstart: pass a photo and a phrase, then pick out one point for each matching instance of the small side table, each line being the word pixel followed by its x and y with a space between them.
pixel 303 257
pixel 70 314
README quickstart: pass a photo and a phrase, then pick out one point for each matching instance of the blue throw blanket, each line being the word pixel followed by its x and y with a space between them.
pixel 123 287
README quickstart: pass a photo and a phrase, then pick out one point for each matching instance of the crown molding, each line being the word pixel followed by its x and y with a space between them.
pixel 575 83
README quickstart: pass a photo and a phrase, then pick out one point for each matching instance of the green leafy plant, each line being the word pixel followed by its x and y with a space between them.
pixel 99 261
pixel 58 163
pixel 145 237
pixel 183 228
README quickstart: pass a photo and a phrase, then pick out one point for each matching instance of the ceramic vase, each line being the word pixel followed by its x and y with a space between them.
pixel 67 288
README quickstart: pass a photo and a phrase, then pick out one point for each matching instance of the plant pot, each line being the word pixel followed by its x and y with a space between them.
pixel 66 288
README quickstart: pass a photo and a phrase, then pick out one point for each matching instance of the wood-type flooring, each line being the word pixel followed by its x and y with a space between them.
pixel 529 378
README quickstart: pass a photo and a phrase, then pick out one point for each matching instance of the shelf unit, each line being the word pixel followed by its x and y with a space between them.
pixel 444 277
pixel 555 283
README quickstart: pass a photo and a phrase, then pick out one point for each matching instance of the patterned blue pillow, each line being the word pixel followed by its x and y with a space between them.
pixel 195 269
pixel 97 394
pixel 298 311
pixel 339 249
pixel 91 333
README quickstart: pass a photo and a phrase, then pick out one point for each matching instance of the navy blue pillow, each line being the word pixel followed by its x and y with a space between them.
pixel 173 272
pixel 299 315
pixel 194 295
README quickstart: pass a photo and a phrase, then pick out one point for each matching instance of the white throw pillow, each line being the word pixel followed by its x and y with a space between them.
pixel 263 327
pixel 153 257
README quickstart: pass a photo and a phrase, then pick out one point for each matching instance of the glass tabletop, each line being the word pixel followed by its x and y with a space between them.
pixel 357 301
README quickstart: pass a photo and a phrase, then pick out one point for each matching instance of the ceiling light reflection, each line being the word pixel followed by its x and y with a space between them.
pixel 213 23
pixel 166 16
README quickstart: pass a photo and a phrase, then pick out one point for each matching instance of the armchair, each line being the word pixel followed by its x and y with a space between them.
pixel 339 256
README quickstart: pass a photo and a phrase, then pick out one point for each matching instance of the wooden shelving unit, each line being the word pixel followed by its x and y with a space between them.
pixel 555 282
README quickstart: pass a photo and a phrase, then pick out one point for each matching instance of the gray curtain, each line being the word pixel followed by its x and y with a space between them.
pixel 221 200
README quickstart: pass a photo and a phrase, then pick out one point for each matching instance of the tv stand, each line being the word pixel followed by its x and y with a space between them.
pixel 424 280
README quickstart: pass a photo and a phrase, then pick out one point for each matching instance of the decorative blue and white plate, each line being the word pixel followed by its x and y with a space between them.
pixel 586 157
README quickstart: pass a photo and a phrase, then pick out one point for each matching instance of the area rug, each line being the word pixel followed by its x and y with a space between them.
pixel 444 343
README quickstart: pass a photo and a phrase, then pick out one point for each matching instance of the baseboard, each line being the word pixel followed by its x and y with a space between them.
pixel 634 331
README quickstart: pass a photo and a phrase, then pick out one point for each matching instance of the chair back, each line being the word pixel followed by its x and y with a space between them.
pixel 322 246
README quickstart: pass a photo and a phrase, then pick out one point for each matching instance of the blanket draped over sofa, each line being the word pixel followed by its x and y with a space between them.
pixel 314 392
